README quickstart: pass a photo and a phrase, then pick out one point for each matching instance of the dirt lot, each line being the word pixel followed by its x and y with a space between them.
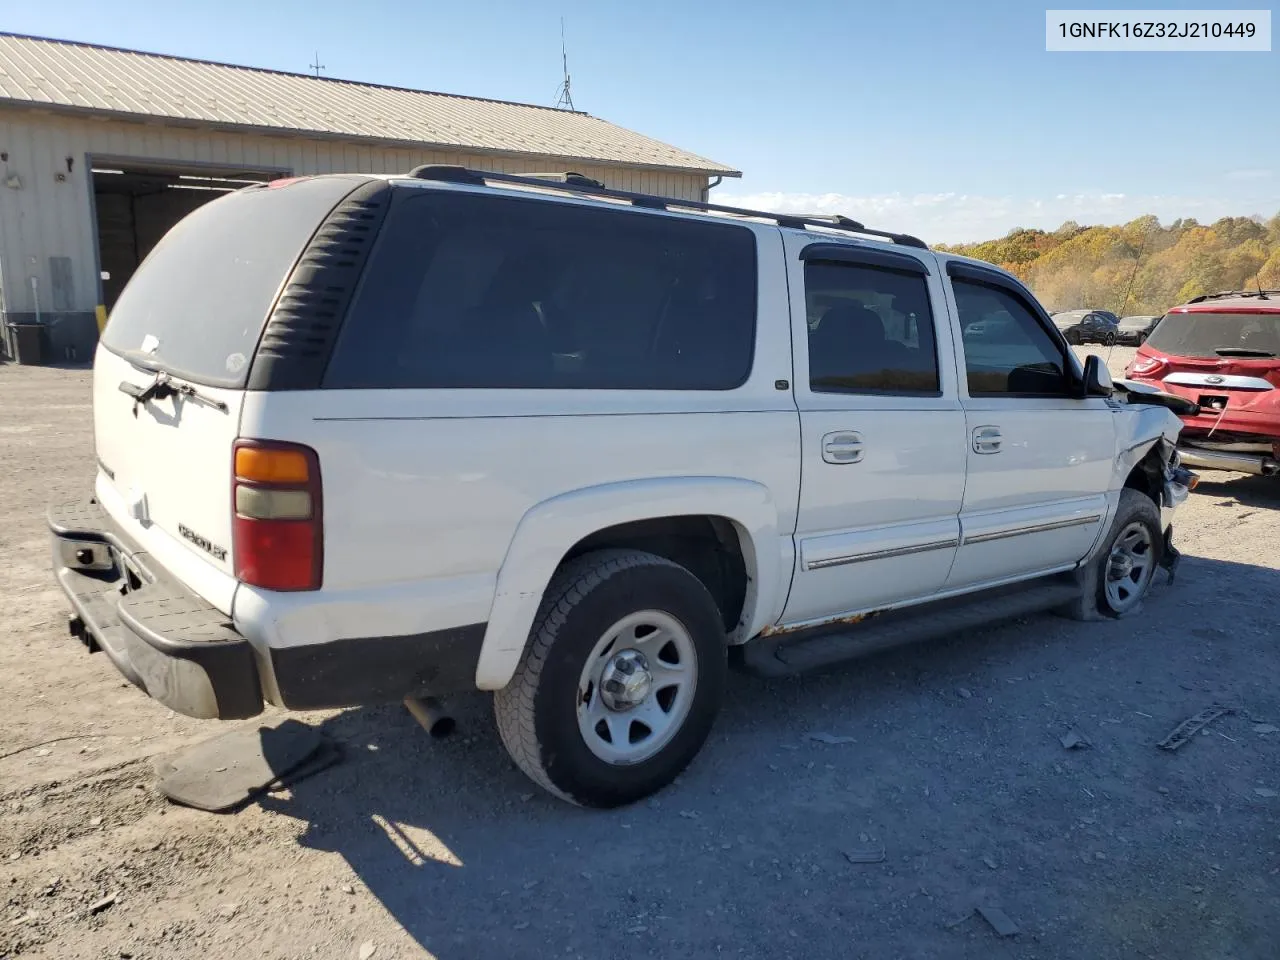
pixel 416 848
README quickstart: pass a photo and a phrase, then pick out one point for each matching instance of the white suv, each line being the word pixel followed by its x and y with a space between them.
pixel 363 439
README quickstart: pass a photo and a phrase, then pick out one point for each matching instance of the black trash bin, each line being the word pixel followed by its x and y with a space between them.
pixel 27 341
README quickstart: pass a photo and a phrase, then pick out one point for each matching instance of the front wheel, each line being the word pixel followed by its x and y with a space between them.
pixel 1109 340
pixel 620 682
pixel 1072 337
pixel 1116 580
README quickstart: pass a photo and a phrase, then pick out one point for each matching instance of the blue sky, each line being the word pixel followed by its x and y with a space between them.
pixel 947 119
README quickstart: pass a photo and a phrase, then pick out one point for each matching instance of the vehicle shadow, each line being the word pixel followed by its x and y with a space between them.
pixel 954 755
pixel 1246 490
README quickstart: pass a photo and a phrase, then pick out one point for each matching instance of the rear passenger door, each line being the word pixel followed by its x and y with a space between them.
pixel 882 429
pixel 1040 458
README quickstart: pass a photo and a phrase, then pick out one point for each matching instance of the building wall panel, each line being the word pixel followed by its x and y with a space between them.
pixel 47 216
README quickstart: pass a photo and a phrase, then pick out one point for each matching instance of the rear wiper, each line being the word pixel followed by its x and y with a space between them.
pixel 1242 352
pixel 163 387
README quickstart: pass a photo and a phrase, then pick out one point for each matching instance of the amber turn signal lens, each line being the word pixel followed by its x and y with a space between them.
pixel 271 466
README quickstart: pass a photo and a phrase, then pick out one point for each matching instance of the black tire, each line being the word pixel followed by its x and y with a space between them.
pixel 1072 337
pixel 1096 602
pixel 537 711
pixel 1109 340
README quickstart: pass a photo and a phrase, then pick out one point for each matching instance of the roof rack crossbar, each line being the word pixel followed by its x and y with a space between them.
pixel 580 184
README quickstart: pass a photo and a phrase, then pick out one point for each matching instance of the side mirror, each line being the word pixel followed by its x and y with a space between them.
pixel 1097 378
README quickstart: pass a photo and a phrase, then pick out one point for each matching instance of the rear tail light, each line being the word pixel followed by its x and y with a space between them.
pixel 1145 366
pixel 278 534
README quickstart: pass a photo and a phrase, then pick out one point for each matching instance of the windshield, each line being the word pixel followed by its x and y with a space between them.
pixel 197 305
pixel 1204 334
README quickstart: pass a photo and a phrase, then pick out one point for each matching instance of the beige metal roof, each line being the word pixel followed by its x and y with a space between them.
pixel 60 74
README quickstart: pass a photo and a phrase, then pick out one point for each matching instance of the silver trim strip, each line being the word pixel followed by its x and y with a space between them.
pixel 1214 381
pixel 1032 528
pixel 882 554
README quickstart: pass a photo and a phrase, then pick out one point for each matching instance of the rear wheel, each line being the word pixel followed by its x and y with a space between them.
pixel 620 682
pixel 1072 337
pixel 1109 338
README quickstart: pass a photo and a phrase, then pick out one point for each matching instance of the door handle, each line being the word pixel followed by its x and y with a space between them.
pixel 843 446
pixel 987 439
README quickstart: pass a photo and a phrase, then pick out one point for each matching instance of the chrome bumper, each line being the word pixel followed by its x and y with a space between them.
pixel 1205 459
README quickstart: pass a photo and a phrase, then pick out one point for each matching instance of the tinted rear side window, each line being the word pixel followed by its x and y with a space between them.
pixel 870 330
pixel 197 305
pixel 478 291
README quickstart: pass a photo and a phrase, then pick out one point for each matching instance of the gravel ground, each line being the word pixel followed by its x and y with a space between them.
pixel 416 848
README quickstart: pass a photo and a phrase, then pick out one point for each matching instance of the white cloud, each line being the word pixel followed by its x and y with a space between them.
pixel 961 217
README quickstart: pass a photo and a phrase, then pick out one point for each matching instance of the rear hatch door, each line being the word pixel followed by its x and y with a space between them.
pixel 170 372
pixel 1222 360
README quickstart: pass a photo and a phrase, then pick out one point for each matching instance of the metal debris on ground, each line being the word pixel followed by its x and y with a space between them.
pixel 1071 740
pixel 999 921
pixel 823 737
pixel 102 904
pixel 865 855
pixel 1192 725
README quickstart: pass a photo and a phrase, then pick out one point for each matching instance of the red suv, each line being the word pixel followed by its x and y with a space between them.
pixel 1222 352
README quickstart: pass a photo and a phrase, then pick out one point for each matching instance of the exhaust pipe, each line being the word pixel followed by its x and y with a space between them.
pixel 432 715
pixel 1254 463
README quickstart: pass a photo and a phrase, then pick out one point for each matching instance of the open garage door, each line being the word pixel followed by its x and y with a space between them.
pixel 136 205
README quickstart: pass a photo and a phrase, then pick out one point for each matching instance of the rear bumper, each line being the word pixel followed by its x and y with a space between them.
pixel 159 635
pixel 190 656
pixel 1207 458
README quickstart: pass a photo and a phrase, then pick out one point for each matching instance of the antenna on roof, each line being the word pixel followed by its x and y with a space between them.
pixel 317 66
pixel 564 99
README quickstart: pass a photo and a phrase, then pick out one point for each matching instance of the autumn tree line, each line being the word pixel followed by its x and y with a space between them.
pixel 1138 268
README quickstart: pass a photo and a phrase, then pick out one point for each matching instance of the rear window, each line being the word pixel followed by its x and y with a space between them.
pixel 197 304
pixel 1205 334
pixel 475 291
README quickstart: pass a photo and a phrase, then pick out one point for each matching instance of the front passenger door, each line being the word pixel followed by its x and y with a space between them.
pixel 1040 458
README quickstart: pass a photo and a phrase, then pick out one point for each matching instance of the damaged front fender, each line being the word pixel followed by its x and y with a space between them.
pixel 1147 441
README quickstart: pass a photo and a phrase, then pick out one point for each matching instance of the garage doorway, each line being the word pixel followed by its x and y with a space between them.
pixel 136 204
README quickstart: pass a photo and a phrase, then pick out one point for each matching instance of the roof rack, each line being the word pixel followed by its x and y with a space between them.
pixel 570 177
pixel 1226 294
pixel 580 184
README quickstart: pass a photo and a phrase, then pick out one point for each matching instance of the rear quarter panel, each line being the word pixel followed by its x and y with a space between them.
pixel 424 489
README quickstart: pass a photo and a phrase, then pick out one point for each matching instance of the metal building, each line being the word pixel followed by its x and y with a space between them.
pixel 103 149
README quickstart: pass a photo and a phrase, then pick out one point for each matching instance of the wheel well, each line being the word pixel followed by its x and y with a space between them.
pixel 707 546
pixel 1147 476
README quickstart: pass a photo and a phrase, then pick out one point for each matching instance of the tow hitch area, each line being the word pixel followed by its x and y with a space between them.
pixel 75 627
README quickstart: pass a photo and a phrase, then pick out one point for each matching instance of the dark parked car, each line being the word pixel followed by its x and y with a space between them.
pixel 1087 326
pixel 1135 330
